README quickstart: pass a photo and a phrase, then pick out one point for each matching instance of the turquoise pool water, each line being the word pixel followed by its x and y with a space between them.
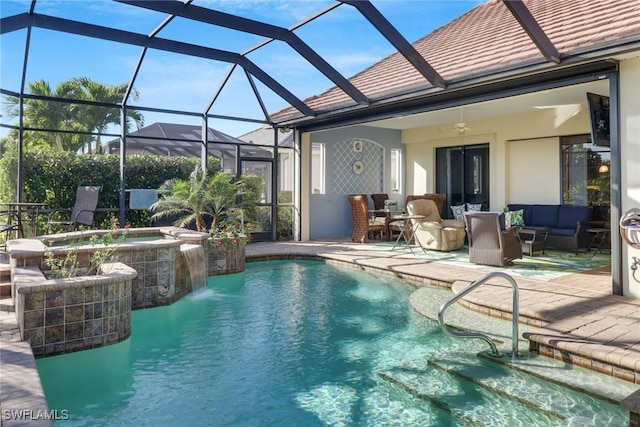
pixel 286 343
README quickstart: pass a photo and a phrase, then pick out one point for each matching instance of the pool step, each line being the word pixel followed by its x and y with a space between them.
pixel 481 392
pixel 602 387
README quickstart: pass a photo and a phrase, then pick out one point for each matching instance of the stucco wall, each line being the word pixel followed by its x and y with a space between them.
pixel 527 158
pixel 534 135
pixel 329 214
pixel 630 154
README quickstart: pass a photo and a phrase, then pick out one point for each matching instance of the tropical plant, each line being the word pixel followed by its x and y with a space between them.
pixel 198 197
pixel 58 117
pixel 97 118
pixel 225 190
pixel 68 124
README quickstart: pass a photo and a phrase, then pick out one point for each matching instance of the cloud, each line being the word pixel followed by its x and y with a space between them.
pixel 263 10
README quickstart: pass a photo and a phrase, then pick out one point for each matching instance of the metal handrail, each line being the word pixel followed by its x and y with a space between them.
pixel 494 350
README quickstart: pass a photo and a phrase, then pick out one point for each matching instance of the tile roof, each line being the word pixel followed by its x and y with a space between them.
pixel 488 39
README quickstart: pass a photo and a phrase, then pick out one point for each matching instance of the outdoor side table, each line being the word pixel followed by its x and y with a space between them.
pixel 407 227
pixel 31 209
pixel 535 239
pixel 598 241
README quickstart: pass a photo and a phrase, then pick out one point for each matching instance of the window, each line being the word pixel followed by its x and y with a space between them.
pixel 586 178
pixel 585 172
pixel 317 167
pixel 396 170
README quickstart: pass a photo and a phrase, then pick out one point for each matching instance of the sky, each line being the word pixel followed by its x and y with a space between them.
pixel 172 81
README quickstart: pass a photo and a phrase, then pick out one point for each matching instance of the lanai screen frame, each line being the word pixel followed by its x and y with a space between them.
pixel 189 11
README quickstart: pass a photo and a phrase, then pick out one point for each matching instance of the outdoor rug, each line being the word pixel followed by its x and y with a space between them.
pixel 552 265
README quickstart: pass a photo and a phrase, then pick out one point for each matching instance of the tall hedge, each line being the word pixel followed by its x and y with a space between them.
pixel 53 178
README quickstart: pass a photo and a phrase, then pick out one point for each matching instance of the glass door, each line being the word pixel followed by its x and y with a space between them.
pixel 462 174
pixel 258 213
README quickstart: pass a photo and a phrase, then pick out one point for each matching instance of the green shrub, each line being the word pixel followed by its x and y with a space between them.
pixel 52 178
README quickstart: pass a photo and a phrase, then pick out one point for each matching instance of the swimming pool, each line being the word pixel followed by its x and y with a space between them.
pixel 297 343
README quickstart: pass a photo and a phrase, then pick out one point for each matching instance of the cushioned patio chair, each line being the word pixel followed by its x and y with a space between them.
pixel 363 225
pixel 488 243
pixel 83 211
pixel 432 231
pixel 438 198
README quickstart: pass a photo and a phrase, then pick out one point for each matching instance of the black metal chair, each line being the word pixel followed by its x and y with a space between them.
pixel 83 211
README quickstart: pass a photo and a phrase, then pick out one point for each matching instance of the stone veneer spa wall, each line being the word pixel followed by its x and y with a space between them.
pixel 150 267
pixel 64 315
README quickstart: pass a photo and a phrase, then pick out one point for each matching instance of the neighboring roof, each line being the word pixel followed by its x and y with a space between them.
pixel 487 40
pixel 264 136
pixel 171 139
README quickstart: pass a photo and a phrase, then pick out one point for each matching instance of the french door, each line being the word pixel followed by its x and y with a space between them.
pixel 462 173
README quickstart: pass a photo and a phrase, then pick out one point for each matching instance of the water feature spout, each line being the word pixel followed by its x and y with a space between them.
pixel 195 262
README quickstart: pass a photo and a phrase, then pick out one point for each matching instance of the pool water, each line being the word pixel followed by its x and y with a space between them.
pixel 285 343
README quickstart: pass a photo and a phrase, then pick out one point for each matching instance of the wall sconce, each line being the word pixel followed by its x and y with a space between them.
pixel 603 168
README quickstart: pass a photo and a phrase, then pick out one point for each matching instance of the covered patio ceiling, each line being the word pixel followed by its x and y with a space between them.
pixel 563 100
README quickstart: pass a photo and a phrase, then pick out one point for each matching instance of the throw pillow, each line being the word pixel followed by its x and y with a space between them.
pixel 474 207
pixel 517 217
pixel 458 212
pixel 507 220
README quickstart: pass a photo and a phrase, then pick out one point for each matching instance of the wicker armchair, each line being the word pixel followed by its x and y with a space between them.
pixel 378 202
pixel 432 231
pixel 363 226
pixel 488 243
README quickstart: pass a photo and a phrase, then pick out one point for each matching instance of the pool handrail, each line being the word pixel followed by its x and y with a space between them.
pixel 494 350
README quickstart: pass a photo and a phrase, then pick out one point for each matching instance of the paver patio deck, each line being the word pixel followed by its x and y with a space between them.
pixel 577 318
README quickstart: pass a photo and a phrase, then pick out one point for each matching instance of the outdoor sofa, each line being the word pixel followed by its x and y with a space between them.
pixel 567 224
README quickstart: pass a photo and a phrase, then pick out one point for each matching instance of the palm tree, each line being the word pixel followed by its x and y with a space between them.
pixel 98 118
pixel 45 114
pixel 224 190
pixel 198 197
pixel 62 117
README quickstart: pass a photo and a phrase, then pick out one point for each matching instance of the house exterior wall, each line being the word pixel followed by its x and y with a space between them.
pixel 630 155
pixel 534 135
pixel 523 148
pixel 329 214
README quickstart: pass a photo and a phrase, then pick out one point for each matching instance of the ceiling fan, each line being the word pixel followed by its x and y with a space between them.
pixel 459 127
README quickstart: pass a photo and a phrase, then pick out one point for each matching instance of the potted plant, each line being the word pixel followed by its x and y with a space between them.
pixel 212 198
